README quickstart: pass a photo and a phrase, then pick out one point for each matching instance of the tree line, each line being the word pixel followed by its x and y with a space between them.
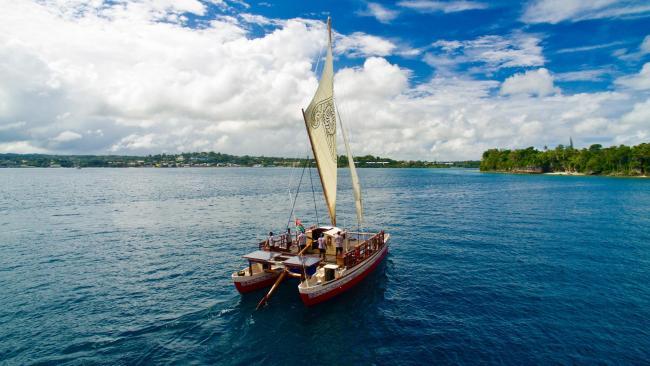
pixel 595 160
pixel 206 159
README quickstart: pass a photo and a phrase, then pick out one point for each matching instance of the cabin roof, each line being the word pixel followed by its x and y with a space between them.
pixel 261 255
pixel 332 231
pixel 307 261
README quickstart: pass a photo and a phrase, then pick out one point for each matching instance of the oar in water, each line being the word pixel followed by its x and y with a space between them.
pixel 277 282
pixel 268 295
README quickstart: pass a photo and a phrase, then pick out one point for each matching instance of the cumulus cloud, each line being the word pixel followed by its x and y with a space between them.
pixel 640 114
pixel 635 125
pixel 556 11
pixel 379 12
pixel 532 82
pixel 359 44
pixel 135 79
pixel 431 6
pixel 129 75
pixel 458 118
pixel 376 80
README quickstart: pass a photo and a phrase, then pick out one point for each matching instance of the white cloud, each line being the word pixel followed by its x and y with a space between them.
pixel 430 6
pixel 556 11
pixel 260 20
pixel 379 12
pixel 591 126
pixel 242 3
pixel 457 118
pixel 645 45
pixel 640 115
pixel 67 136
pixel 130 75
pixel 629 55
pixel 635 125
pixel 589 48
pixel 493 52
pixel 376 80
pixel 582 75
pixel 21 147
pixel 135 142
pixel 12 126
pixel 533 82
pixel 133 84
pixel 640 81
pixel 359 44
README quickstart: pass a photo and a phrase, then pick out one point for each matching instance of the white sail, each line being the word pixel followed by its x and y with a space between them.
pixel 356 186
pixel 321 127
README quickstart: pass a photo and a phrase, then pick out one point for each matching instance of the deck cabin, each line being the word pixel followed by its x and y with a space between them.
pixel 284 251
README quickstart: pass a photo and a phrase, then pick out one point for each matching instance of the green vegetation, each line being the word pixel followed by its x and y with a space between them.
pixel 616 160
pixel 202 159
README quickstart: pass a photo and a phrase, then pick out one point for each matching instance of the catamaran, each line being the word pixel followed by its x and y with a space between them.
pixel 324 273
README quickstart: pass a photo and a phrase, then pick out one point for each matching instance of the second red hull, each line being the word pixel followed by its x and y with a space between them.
pixel 309 301
pixel 254 286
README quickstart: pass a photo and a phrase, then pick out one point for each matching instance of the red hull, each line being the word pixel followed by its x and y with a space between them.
pixel 309 301
pixel 255 286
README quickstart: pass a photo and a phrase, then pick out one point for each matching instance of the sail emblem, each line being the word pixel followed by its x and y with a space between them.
pixel 323 113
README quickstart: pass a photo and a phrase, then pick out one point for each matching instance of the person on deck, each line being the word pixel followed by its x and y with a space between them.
pixel 299 226
pixel 289 240
pixel 321 245
pixel 302 241
pixel 270 240
pixel 339 243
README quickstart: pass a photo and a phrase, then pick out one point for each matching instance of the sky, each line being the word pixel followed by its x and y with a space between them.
pixel 415 79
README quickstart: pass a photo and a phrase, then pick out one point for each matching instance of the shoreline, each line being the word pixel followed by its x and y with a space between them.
pixel 222 167
pixel 566 174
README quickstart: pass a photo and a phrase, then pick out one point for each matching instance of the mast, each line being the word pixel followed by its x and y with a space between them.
pixel 320 121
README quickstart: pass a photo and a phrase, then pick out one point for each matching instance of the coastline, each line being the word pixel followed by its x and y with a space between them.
pixel 222 167
pixel 572 174
pixel 596 175
pixel 564 173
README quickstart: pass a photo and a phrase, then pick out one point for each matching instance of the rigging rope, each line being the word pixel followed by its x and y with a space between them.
pixel 313 193
pixel 293 167
pixel 297 191
pixel 320 57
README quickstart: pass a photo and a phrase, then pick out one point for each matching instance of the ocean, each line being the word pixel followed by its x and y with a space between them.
pixel 132 267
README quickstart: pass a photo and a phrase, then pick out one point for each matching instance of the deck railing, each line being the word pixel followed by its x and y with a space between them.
pixel 280 242
pixel 364 250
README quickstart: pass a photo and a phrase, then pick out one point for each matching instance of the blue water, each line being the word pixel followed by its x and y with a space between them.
pixel 132 266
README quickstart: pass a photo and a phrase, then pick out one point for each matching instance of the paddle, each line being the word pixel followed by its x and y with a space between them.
pixel 268 295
